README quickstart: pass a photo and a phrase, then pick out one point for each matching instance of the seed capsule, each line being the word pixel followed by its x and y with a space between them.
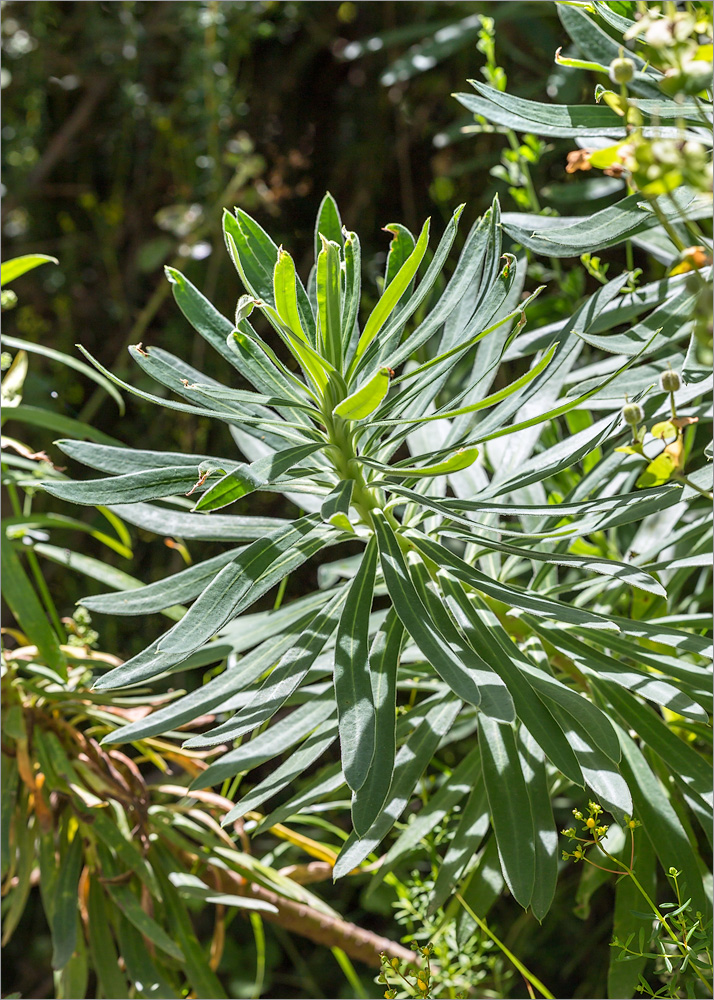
pixel 670 381
pixel 621 70
pixel 633 414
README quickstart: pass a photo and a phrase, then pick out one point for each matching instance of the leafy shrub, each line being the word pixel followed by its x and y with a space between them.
pixel 447 635
pixel 511 579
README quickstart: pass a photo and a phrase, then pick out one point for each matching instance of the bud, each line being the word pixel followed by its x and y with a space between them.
pixel 670 381
pixel 633 414
pixel 621 70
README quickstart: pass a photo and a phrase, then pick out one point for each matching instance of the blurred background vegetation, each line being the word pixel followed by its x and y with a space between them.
pixel 127 126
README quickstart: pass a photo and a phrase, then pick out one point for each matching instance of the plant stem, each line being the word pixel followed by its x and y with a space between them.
pixel 509 955
pixel 46 596
pixel 699 490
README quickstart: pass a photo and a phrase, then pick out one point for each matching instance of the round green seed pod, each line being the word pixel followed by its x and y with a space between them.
pixel 621 70
pixel 633 414
pixel 670 381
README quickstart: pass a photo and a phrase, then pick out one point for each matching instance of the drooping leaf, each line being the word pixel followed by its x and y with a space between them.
pixel 411 761
pixel 244 479
pixel 366 399
pixel 12 269
pixel 545 832
pixel 353 681
pixel 510 807
pixel 415 617
pixel 472 827
pixel 454 788
pixel 284 734
pixel 368 800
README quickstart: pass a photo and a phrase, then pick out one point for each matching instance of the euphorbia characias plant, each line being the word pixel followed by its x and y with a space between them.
pixel 375 425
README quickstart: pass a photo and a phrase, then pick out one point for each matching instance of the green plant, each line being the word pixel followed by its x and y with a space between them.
pixel 123 862
pixel 458 629
pixel 680 935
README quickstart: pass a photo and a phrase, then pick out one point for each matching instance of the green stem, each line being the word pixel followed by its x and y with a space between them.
pixel 629 257
pixel 682 948
pixel 699 490
pixel 531 191
pixel 45 595
pixel 281 593
pixel 259 935
pixel 509 955
pixel 348 970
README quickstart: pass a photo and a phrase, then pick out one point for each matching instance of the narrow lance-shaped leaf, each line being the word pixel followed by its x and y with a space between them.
pixel 482 404
pixel 329 301
pixel 285 291
pixel 660 822
pixel 416 618
pixel 411 761
pixel 464 346
pixel 461 459
pixel 366 399
pixel 257 568
pixel 496 700
pixel 105 959
pixel 177 589
pixel 283 680
pixel 473 825
pixel 218 528
pixel 218 691
pixel 510 807
pixel 515 598
pixel 237 417
pixel 264 370
pixel 239 584
pixel 682 758
pixel 245 479
pixel 338 502
pixel 353 683
pixel 140 966
pixel 65 359
pixel 280 737
pixel 454 788
pixel 17 266
pixel 132 487
pixel 25 606
pixel 312 363
pixel 400 249
pixel 132 909
pixel 200 973
pixel 305 756
pixel 546 835
pixel 391 296
pixel 353 291
pixel 65 924
pixel 482 627
pixel 367 802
